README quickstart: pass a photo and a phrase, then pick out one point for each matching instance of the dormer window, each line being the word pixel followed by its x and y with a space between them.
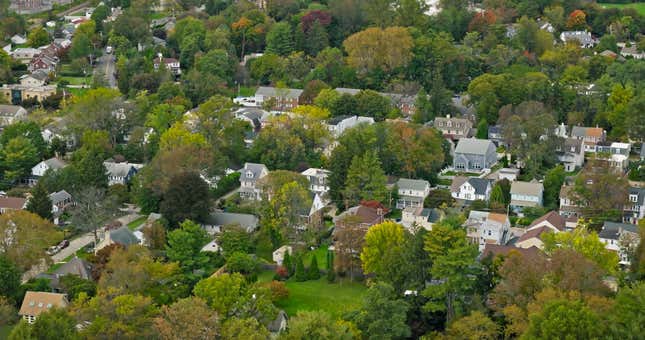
pixel 633 198
pixel 249 174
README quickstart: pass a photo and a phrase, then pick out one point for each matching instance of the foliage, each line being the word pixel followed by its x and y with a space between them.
pixel 317 325
pixel 73 286
pixel 31 236
pixel 234 239
pixel 382 241
pixel 313 273
pixel 383 314
pixel 242 263
pixel 40 203
pixel 585 243
pixel 187 318
pixel 371 50
pixel 475 326
pixel 187 198
pixel 10 277
pixel 300 273
pixel 365 179
pixel 185 245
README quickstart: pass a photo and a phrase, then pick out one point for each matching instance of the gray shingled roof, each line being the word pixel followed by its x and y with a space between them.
pixel 479 184
pixel 412 184
pixel 119 169
pixel 610 229
pixel 77 267
pixel 9 110
pixel 246 221
pixel 123 236
pixel 473 146
pixel 255 168
pixel 273 92
pixel 59 196
pixel 55 163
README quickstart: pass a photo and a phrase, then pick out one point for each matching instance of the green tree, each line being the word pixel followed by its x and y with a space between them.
pixel 8 313
pixel 316 325
pixel 91 171
pixel 18 156
pixel 187 198
pixel 242 263
pixel 73 286
pixel 248 328
pixel 81 46
pixel 497 199
pixel 234 239
pixel 424 112
pixel 383 314
pixel 382 241
pixel 39 203
pixel 185 245
pixel 54 324
pixel 280 39
pixel 627 317
pixel 365 179
pixel 221 292
pixel 565 319
pixel 474 327
pixel 10 277
pixel 586 243
pixel 300 274
pixel 218 63
pixel 30 237
pixel 454 263
pixel 553 181
pixel 38 37
pixel 482 129
pixel 313 273
pixel 188 318
pixel 316 38
pixel 372 104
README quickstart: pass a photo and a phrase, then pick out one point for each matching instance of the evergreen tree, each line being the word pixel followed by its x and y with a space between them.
pixel 287 263
pixel 365 179
pixel 301 274
pixel 482 129
pixel 423 108
pixel 280 39
pixel 316 39
pixel 91 171
pixel 331 275
pixel 497 201
pixel 313 273
pixel 39 203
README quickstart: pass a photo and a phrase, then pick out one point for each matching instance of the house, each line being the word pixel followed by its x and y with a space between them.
pixel 249 177
pixel 121 173
pixel 75 266
pixel 340 124
pixel 8 204
pixel 44 63
pixel 474 155
pixel 123 236
pixel 256 117
pixel 10 114
pixel 571 154
pixel 614 148
pixel 632 51
pixel 634 210
pixel 590 136
pixel 421 217
pixel 545 25
pixel 34 303
pixel 364 215
pixel 621 238
pixel 171 64
pixel 412 192
pixel 583 38
pixel 470 189
pixel 495 250
pixel 452 127
pixel 216 221
pixel 37 78
pixel 211 247
pixel 165 23
pixel 509 174
pixel 487 228
pixel 532 238
pixel 278 254
pixel 24 55
pixel 17 93
pixel 60 201
pixel 41 168
pixel 18 39
pixel 496 135
pixel 279 324
pixel 552 220
pixel 318 180
pixel 277 98
pixel 569 207
pixel 526 194
pixel 315 215
pixel 405 103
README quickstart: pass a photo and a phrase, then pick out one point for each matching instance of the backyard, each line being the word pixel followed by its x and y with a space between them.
pixel 5 330
pixel 639 6
pixel 136 223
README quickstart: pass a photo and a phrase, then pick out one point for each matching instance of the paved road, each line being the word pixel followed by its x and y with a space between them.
pixel 74 246
pixel 107 66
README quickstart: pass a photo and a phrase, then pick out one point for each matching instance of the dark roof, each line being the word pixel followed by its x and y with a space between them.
pixel 552 217
pixel 123 236
pixel 246 221
pixel 612 230
pixel 640 192
pixel 76 266
pixel 537 232
pixel 497 250
pixel 480 185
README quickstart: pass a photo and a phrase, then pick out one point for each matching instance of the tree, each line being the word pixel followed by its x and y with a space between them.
pixel 316 325
pixel 382 241
pixel 188 318
pixel 8 313
pixel 55 323
pixel 372 104
pixel 39 203
pixel 221 292
pixel 38 37
pixel 248 328
pixel 371 49
pixel 155 235
pixel 626 317
pixel 349 237
pixel 124 316
pixel 30 237
pixel 91 170
pixel 280 39
pixel 18 156
pixel 187 198
pixel 424 112
pixel 365 179
pixel 73 286
pixel 577 20
pixel 81 46
pixel 185 245
pixel 475 326
pixel 313 273
pixel 482 129
pixel 438 198
pixel 563 318
pixel 300 274
pixel 454 263
pixel 10 277
pixel 92 210
pixel 553 181
pixel 234 239
pixel 242 263
pixel 497 199
pixel 586 243
pixel 383 314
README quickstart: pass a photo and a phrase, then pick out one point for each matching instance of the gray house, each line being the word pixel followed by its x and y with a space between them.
pixel 474 155
pixel 249 176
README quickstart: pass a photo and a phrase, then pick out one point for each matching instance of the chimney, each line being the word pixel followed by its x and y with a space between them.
pixel 448 116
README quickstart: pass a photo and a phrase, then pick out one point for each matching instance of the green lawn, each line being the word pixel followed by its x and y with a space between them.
pixel 333 298
pixel 136 223
pixel 75 80
pixel 5 330
pixel 639 6
pixel 247 91
pixel 158 15
pixel 76 92
pixel 321 257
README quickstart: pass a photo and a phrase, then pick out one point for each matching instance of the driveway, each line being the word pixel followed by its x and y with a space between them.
pixel 106 65
pixel 74 246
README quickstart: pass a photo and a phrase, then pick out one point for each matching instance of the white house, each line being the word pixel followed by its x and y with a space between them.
pixel 621 238
pixel 278 254
pixel 318 180
pixel 510 174
pixel 526 194
pixel 412 192
pixel 338 125
pixel 421 217
pixel 10 114
pixel 634 210
pixel 487 228
pixel 584 38
pixel 53 164
pixel 121 173
pixel 571 154
pixel 249 176
pixel 552 222
pixel 470 189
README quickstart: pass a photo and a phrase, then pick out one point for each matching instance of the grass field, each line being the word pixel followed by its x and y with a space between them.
pixel 77 92
pixel 75 80
pixel 639 6
pixel 5 330
pixel 333 298
pixel 136 223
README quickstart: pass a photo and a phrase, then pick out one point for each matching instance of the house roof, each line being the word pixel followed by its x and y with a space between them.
pixel 246 221
pixel 457 181
pixel 412 184
pixel 120 169
pixel 501 218
pixel 640 193
pixel 39 75
pixel 533 233
pixel 123 236
pixel 480 185
pixel 55 163
pixel 35 303
pixel 10 110
pixel 255 168
pixel 473 146
pixel 59 196
pixel 76 266
pixel 611 230
pixel 527 188
pixel 581 131
pixel 551 217
pixel 343 90
pixel 14 203
pixel 273 92
pixel 497 250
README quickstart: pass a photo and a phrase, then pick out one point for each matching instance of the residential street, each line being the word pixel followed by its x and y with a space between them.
pixel 106 65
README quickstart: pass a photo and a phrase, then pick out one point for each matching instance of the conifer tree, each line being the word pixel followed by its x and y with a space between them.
pixel 301 274
pixel 39 203
pixel 313 273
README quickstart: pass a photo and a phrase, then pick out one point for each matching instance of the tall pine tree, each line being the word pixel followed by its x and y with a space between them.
pixel 39 203
pixel 365 179
pixel 313 273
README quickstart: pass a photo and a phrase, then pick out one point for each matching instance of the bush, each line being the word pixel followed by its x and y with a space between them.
pixel 226 184
pixel 300 274
pixel 313 273
pixel 278 290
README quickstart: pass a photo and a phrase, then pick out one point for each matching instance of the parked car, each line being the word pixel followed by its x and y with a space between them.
pixel 63 244
pixel 52 250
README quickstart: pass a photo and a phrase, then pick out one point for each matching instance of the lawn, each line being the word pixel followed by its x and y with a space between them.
pixel 75 80
pixel 136 223
pixel 334 298
pixel 467 174
pixel 5 330
pixel 321 257
pixel 76 92
pixel 639 6
pixel 247 91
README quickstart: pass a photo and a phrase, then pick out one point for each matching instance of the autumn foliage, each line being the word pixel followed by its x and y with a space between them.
pixel 577 20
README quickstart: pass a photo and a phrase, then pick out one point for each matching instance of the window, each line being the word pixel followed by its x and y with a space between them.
pixel 490 233
pixel 633 198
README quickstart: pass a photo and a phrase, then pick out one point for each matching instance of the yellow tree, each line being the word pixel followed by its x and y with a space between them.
pixel 374 48
pixel 25 238
pixel 381 242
